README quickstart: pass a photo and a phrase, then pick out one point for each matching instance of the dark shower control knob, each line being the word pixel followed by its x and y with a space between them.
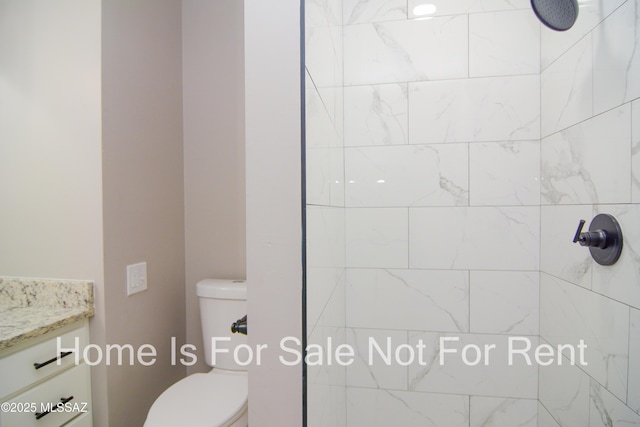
pixel 597 238
pixel 576 238
pixel 604 239
pixel 240 326
pixel 594 239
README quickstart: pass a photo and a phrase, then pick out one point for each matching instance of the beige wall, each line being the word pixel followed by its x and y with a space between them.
pixel 58 60
pixel 50 174
pixel 143 194
pixel 213 105
pixel 274 239
pixel 50 149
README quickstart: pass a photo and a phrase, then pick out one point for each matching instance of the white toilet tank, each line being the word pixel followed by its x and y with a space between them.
pixel 222 302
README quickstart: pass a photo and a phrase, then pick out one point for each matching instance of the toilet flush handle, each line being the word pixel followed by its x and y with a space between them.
pixel 240 326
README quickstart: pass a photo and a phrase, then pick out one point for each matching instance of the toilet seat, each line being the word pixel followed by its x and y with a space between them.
pixel 215 399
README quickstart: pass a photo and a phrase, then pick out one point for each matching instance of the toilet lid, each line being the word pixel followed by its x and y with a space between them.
pixel 200 400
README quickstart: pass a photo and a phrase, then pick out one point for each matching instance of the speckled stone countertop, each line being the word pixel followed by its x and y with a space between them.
pixel 33 307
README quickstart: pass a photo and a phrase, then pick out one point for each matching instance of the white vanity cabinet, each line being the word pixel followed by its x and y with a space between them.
pixel 35 378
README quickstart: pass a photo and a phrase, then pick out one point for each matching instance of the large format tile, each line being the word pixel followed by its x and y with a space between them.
pixel 326 405
pixel 616 58
pixel 370 371
pixel 564 393
pixel 377 237
pixel 635 151
pixel 417 8
pixel 325 297
pixel 401 51
pixel 476 238
pixel 503 412
pixel 606 410
pixel 566 93
pixel 504 173
pixel 434 300
pixel 325 236
pixel 556 43
pixel 589 163
pixel 326 385
pixel 504 302
pixel 633 395
pixel 325 176
pixel 544 417
pixel 376 115
pixel 384 408
pixel 323 55
pixel 559 256
pixel 569 313
pixel 483 109
pixel 410 175
pixel 486 376
pixel 621 281
pixel 321 121
pixel 504 43
pixel 319 371
pixel 322 13
pixel 361 12
pixel 333 103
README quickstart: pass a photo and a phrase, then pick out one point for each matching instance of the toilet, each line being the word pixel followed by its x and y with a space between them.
pixel 219 397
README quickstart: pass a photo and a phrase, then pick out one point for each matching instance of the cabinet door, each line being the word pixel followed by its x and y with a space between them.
pixel 84 420
pixel 66 396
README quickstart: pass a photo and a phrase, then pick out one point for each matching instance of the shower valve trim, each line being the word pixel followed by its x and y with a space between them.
pixel 604 238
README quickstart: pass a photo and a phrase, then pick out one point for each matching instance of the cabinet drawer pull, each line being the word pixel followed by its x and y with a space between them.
pixel 40 365
pixel 63 400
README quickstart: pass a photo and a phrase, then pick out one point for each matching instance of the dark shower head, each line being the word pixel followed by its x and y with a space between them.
pixel 559 15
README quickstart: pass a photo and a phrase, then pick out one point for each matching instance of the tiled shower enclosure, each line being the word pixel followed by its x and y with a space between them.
pixel 452 146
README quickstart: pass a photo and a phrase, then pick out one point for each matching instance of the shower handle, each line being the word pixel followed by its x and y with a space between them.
pixel 597 238
pixel 604 239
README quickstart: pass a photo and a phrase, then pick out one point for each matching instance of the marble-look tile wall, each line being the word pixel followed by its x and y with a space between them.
pixel 325 213
pixel 442 206
pixel 590 121
pixel 449 160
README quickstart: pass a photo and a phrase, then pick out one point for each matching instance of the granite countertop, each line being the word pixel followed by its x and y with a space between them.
pixel 33 307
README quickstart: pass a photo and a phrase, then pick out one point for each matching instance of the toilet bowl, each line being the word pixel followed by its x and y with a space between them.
pixel 217 398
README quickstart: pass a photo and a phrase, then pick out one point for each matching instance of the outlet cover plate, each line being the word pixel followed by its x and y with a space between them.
pixel 136 278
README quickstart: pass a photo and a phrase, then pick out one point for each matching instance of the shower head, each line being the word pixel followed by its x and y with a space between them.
pixel 559 15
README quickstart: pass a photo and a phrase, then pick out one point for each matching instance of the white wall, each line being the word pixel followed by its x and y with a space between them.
pixel 50 182
pixel 274 263
pixel 50 149
pixel 58 59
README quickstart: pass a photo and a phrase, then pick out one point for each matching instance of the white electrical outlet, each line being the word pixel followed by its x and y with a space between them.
pixel 136 278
